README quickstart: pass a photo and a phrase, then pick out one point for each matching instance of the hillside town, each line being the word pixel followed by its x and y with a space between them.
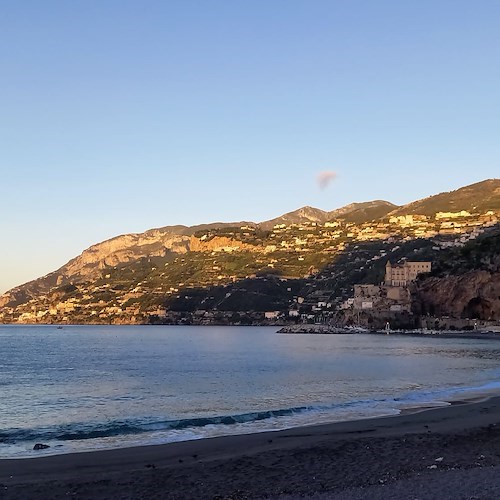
pixel 200 284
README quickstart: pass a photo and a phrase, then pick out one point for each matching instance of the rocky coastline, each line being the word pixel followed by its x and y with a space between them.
pixel 316 329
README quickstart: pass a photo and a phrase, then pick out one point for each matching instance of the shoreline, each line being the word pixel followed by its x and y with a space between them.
pixel 49 449
pixel 494 331
pixel 274 463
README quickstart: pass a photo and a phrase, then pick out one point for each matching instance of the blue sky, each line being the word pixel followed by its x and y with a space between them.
pixel 120 116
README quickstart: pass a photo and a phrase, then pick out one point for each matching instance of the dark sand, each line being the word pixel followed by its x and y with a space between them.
pixel 451 452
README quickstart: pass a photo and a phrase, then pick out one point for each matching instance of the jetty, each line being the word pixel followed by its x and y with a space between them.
pixel 316 329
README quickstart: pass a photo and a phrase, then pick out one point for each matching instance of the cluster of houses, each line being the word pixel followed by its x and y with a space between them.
pixel 290 247
pixel 391 295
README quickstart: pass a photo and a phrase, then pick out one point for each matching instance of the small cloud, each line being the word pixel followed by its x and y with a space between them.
pixel 324 178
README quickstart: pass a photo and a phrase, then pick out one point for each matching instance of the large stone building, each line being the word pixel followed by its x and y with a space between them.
pixel 401 275
pixel 393 295
pixel 381 298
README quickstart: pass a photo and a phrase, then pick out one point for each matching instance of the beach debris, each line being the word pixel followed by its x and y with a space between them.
pixel 432 466
pixel 40 446
pixel 440 459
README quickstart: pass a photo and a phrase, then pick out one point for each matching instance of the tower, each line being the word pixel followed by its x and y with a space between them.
pixel 388 273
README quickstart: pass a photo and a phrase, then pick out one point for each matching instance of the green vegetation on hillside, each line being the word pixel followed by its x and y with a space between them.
pixel 480 254
pixel 242 269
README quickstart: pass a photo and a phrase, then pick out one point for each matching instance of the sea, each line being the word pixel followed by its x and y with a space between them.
pixel 84 388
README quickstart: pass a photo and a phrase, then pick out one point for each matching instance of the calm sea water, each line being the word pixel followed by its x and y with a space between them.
pixel 89 387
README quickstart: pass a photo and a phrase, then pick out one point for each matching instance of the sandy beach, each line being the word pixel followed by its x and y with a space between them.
pixel 449 452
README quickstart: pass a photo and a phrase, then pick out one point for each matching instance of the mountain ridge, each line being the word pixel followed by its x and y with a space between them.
pixel 364 210
pixel 464 198
pixel 180 239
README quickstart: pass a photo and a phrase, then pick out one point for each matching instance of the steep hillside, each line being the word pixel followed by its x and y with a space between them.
pixel 116 251
pixel 465 282
pixel 129 277
pixel 177 239
pixel 358 213
pixel 354 212
pixel 475 198
pixel 89 264
pixel 304 214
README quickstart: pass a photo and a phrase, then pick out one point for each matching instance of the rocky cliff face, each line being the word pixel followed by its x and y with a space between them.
pixel 132 247
pixel 116 251
pixel 124 249
pixel 466 282
pixel 156 243
pixel 89 263
pixel 219 243
pixel 475 294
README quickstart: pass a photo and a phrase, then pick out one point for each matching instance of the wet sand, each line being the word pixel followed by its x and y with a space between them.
pixel 449 452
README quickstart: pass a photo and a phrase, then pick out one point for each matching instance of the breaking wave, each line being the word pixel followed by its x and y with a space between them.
pixel 76 431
